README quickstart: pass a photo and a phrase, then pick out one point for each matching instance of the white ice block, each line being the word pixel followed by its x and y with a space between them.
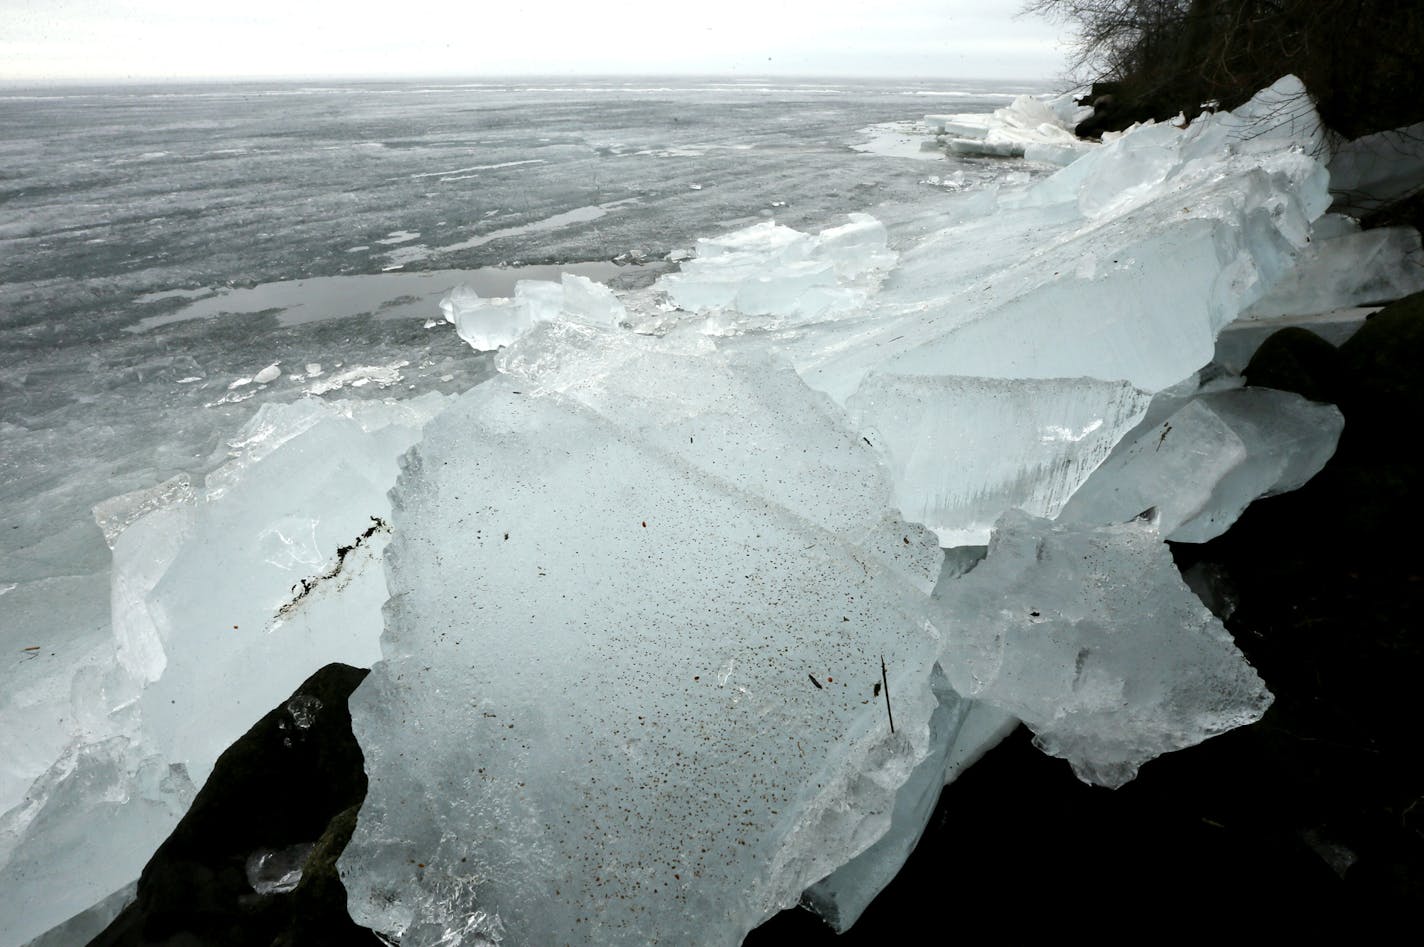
pixel 223 601
pixel 577 556
pixel 1288 440
pixel 1360 268
pixel 1201 466
pixel 963 450
pixel 1092 639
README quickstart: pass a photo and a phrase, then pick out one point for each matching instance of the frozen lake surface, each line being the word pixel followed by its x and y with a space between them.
pixel 133 211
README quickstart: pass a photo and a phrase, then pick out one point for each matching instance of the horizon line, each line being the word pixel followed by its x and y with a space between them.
pixel 131 79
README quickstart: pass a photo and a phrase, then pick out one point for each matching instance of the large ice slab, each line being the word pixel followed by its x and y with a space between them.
pixel 1351 268
pixel 1198 468
pixel 1170 469
pixel 1288 440
pixel 566 554
pixel 1374 170
pixel 961 450
pixel 1090 636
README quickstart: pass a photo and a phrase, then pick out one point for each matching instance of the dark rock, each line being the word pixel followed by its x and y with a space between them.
pixel 1382 365
pixel 1298 360
pixel 296 778
pixel 1116 110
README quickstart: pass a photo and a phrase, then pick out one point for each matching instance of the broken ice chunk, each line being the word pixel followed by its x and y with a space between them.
pixel 268 375
pixel 613 560
pixel 768 241
pixel 1201 466
pixel 493 323
pixel 1354 268
pixel 545 299
pixel 768 270
pixel 1288 440
pixel 961 451
pixel 486 323
pixel 1090 636
pixel 1377 169
pixel 855 247
pixel 1171 468
pixel 590 303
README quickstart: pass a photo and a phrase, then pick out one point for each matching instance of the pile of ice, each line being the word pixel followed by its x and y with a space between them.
pixel 678 536
pixel 1029 127
pixel 488 323
pixel 669 639
pixel 768 275
pixel 225 596
pixel 1006 354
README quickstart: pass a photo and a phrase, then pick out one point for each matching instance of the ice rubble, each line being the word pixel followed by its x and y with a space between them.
pixel 223 598
pixel 1028 127
pixel 768 274
pixel 681 537
pixel 1079 297
pixel 612 468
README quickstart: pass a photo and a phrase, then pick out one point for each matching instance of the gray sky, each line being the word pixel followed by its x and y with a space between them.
pixel 46 39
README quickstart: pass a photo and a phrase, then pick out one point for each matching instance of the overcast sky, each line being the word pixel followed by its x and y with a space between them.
pixel 48 39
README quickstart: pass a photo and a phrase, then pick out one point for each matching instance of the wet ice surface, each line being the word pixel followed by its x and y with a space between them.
pixel 743 749
pixel 187 188
pixel 646 502
pixel 264 243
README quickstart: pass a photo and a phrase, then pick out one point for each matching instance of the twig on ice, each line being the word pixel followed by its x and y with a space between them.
pixel 886 681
